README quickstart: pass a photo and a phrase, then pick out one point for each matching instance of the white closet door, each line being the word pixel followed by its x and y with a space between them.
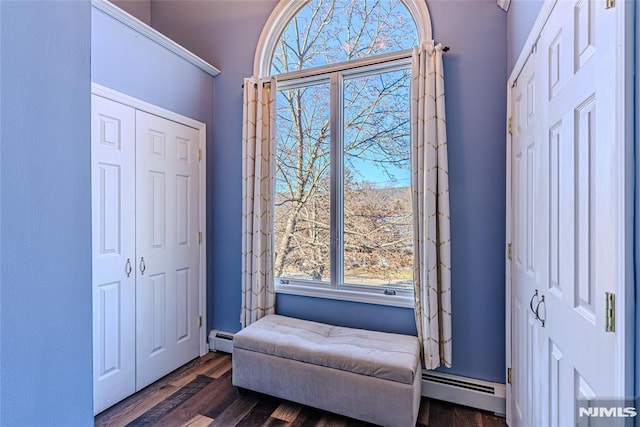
pixel 524 325
pixel 167 246
pixel 568 227
pixel 113 250
pixel 580 150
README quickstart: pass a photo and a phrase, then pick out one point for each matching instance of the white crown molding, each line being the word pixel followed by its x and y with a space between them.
pixel 153 35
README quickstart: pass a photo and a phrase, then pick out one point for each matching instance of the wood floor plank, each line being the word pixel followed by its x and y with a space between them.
pixel 286 412
pixel 329 420
pixel 129 410
pixel 261 412
pixel 491 420
pixel 440 415
pixel 275 422
pixel 466 417
pixel 157 414
pixel 236 411
pixel 423 413
pixel 202 394
pixel 308 417
pixel 220 369
pixel 198 421
pixel 203 402
pixel 200 369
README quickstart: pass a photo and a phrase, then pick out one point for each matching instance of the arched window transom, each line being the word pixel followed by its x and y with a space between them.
pixel 332 31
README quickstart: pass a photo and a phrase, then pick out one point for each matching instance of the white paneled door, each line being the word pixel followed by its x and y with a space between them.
pixel 167 246
pixel 146 248
pixel 113 246
pixel 524 323
pixel 567 196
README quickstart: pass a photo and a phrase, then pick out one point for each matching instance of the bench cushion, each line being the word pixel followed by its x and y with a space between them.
pixel 382 355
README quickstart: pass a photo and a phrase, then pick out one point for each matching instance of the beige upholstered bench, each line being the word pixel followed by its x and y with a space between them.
pixel 367 375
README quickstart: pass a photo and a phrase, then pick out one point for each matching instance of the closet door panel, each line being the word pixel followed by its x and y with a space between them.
pixel 113 251
pixel 167 246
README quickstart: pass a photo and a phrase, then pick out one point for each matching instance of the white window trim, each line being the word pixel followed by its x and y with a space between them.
pixel 284 11
pixel 368 64
pixel 333 74
pixel 377 296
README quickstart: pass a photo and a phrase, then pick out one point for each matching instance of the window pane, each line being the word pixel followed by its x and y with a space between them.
pixel 331 31
pixel 378 227
pixel 302 199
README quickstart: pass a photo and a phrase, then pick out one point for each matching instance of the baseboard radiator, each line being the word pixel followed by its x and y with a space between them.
pixel 470 392
pixel 221 341
pixel 465 391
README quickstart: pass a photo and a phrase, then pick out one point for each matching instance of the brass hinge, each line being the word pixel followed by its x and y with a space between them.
pixel 199 237
pixel 509 250
pixel 610 4
pixel 610 311
pixel 509 376
pixel 199 154
pixel 200 321
pixel 510 126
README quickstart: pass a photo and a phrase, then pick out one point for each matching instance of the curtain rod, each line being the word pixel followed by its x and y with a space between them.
pixel 256 84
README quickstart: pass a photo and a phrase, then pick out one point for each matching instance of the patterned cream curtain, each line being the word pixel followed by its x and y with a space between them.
pixel 258 165
pixel 430 192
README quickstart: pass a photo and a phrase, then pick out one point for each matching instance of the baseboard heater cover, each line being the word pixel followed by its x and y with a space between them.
pixel 484 395
pixel 221 341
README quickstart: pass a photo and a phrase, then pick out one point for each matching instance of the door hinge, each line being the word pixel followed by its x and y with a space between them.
pixel 200 321
pixel 199 154
pixel 199 237
pixel 610 4
pixel 509 375
pixel 610 311
pixel 509 250
pixel 510 126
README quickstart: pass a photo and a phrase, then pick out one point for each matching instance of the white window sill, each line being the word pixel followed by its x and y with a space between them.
pixel 368 297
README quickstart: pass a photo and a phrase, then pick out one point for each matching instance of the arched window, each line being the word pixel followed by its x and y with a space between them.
pixel 333 31
pixel 286 10
pixel 343 212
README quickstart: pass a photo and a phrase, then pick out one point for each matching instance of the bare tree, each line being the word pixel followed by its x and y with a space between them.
pixel 377 217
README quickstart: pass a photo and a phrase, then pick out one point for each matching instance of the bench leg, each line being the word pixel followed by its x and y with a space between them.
pixel 242 391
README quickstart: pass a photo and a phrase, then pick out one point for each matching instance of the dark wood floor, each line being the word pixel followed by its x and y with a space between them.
pixel 201 394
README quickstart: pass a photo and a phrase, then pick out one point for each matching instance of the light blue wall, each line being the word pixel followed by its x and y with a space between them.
pixel 637 199
pixel 520 19
pixel 226 33
pixel 45 246
pixel 1 84
pixel 124 61
pixel 475 82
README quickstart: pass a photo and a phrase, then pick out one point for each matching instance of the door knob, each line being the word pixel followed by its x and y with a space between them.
pixel 143 267
pixel 544 306
pixel 531 303
pixel 127 267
